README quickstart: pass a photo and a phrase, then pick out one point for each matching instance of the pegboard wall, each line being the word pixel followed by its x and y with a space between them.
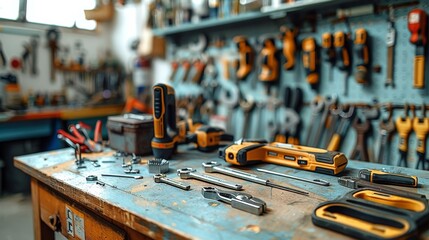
pixel 260 119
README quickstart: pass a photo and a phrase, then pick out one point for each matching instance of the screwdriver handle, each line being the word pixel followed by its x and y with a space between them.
pixel 334 144
pixel 421 128
pixel 404 127
pixel 376 176
pixel 419 71
pixel 362 53
pixel 342 51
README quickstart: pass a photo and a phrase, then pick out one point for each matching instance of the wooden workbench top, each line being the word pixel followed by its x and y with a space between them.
pixel 163 211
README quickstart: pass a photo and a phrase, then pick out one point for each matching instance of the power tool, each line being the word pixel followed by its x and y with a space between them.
pixel 247 55
pixel 296 156
pixel 270 69
pixel 164 142
pixel 168 134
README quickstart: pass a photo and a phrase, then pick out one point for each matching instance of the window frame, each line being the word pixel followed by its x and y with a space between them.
pixel 22 18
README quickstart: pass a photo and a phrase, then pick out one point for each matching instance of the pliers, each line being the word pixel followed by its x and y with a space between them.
pixel 81 137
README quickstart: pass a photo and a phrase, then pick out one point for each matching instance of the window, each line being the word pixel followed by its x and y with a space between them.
pixel 64 13
pixel 9 9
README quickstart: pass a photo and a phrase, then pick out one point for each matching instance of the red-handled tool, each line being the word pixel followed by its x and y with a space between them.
pixel 417 24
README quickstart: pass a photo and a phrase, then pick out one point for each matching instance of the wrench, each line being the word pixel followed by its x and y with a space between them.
pixel 121 176
pixel 189 173
pixel 329 101
pixel 161 178
pixel 238 200
pixel 215 167
pixel 317 106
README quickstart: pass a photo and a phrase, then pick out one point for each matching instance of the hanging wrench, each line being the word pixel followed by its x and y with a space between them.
pixel 329 102
pixel 189 173
pixel 317 106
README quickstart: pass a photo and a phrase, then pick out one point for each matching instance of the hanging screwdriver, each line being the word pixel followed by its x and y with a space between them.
pixel 390 42
pixel 417 21
pixel 343 55
pixel 362 54
pixel 310 60
pixel 328 52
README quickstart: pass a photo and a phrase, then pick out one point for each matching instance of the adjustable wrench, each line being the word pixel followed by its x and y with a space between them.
pixel 215 167
pixel 238 200
pixel 161 178
pixel 189 173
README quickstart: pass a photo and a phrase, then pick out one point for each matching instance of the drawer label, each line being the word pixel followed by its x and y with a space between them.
pixel 75 224
pixel 69 221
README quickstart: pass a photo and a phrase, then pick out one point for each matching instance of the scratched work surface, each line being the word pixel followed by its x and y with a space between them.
pixel 163 211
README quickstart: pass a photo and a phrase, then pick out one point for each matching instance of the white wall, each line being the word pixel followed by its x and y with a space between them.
pixel 93 43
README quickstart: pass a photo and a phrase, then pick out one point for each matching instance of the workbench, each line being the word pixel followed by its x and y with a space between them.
pixel 122 208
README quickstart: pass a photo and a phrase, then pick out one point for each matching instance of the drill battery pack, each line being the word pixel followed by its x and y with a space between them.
pixel 131 133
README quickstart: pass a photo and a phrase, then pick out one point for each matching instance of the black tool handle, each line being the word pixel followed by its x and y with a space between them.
pixel 376 176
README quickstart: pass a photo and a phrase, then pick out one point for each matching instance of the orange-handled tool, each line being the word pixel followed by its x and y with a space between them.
pixel 417 24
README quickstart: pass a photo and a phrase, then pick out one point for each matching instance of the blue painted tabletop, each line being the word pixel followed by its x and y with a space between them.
pixel 163 211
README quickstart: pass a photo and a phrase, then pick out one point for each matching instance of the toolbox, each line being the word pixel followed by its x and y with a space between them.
pixel 131 133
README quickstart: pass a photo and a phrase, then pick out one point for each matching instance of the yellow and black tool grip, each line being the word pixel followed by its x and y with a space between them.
pixel 334 143
pixel 421 128
pixel 310 60
pixel 270 62
pixel 419 70
pixel 342 51
pixel 360 222
pixel 404 127
pixel 380 177
pixel 328 47
pixel 289 48
pixel 246 61
pixel 164 121
pixel 362 53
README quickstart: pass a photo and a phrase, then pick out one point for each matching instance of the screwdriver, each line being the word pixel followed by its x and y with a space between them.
pixel 328 52
pixel 343 55
pixel 376 176
pixel 310 60
pixel 362 53
pixel 417 21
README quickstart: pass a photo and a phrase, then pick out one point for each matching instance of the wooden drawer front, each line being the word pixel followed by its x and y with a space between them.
pixel 74 222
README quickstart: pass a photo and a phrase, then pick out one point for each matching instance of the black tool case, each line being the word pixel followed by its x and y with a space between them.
pixel 131 133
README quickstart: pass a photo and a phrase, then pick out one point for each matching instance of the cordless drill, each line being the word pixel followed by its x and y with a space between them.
pixel 166 132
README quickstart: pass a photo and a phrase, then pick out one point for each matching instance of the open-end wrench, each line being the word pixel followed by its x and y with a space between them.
pixel 316 106
pixel 238 200
pixel 189 173
pixel 329 101
pixel 386 129
pixel 161 178
pixel 121 175
pixel 215 167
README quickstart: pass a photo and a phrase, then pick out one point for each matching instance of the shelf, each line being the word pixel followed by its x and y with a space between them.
pixel 302 5
pixel 266 13
pixel 210 23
